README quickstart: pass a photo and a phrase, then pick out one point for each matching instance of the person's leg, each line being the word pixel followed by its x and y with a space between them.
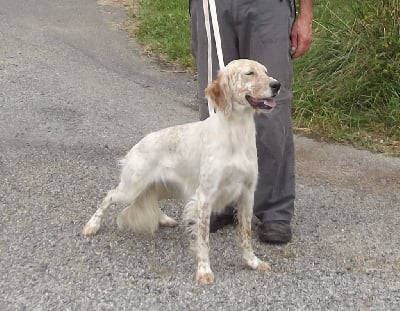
pixel 264 36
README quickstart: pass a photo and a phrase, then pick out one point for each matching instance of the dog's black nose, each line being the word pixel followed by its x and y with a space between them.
pixel 275 86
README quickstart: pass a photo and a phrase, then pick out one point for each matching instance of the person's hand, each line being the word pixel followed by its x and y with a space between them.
pixel 301 36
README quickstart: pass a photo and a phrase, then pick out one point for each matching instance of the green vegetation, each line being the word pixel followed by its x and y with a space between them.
pixel 164 27
pixel 347 88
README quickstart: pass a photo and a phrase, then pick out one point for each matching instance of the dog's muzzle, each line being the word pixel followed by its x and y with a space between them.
pixel 266 103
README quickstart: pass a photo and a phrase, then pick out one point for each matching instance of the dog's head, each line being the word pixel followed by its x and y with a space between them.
pixel 243 85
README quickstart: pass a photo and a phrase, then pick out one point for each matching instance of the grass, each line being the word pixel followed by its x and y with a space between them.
pixel 164 27
pixel 347 88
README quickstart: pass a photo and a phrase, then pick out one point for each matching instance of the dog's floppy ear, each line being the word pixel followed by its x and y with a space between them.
pixel 216 92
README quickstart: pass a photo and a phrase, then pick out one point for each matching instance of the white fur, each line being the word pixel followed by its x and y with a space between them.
pixel 211 164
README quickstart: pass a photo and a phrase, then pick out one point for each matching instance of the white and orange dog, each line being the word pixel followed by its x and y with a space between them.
pixel 211 164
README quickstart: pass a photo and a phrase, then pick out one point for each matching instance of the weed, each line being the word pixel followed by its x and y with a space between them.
pixel 164 27
pixel 349 82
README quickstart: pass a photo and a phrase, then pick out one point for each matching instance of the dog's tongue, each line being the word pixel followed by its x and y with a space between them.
pixel 270 103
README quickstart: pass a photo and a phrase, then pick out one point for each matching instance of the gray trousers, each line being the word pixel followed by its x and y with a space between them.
pixel 257 30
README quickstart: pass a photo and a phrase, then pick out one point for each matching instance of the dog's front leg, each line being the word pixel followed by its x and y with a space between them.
pixel 204 274
pixel 245 215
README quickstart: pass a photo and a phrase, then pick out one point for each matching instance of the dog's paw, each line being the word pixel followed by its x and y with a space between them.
pixel 90 229
pixel 257 264
pixel 263 266
pixel 205 278
pixel 167 221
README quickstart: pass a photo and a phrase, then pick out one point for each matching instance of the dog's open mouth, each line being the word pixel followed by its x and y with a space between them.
pixel 261 103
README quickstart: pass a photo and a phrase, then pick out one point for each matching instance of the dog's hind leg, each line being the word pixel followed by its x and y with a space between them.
pixel 126 193
pixel 93 225
pixel 245 214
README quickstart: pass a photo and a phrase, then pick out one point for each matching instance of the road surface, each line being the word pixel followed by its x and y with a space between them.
pixel 75 95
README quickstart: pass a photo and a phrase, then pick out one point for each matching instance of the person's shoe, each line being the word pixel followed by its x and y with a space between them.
pixel 218 221
pixel 275 232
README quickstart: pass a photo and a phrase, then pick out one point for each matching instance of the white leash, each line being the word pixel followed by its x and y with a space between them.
pixel 209 7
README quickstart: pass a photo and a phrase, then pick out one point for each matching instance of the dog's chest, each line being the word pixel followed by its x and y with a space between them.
pixel 239 171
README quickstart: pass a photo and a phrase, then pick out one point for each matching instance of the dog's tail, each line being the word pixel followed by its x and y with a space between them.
pixel 142 215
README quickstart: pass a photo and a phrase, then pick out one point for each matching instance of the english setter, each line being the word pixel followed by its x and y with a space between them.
pixel 211 164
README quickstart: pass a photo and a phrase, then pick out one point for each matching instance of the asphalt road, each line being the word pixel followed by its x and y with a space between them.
pixel 75 94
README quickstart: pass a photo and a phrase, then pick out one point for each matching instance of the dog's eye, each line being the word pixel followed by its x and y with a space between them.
pixel 250 73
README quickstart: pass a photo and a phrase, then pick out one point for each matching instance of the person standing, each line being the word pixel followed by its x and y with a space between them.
pixel 270 32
